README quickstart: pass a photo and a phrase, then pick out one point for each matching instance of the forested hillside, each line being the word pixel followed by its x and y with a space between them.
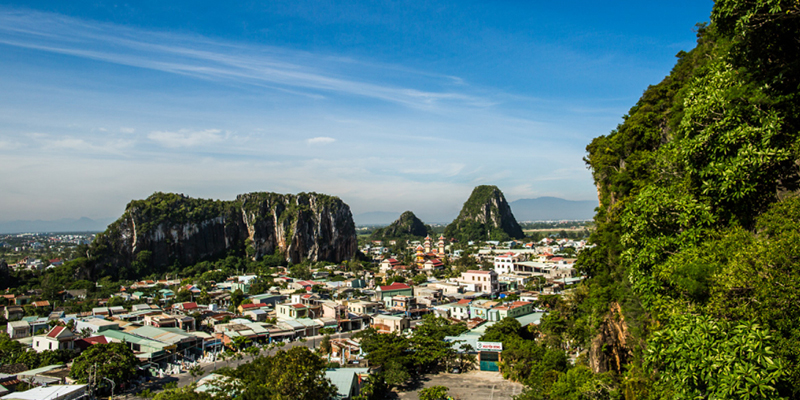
pixel 693 285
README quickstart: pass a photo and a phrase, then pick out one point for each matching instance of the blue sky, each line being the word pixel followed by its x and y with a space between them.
pixel 390 105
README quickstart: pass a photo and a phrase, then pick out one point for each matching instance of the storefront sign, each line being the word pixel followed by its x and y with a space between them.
pixel 490 346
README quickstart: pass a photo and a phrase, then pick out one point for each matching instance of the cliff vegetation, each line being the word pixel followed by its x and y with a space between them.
pixel 406 226
pixel 691 291
pixel 486 215
pixel 167 231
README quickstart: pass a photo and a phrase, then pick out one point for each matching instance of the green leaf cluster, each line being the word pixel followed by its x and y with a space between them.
pixel 697 234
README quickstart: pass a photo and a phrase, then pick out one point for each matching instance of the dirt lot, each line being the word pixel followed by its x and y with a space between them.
pixel 481 385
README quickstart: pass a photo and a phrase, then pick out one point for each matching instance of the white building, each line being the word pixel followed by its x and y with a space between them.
pixel 59 338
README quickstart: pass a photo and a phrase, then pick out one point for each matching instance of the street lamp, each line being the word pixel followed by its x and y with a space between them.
pixel 112 387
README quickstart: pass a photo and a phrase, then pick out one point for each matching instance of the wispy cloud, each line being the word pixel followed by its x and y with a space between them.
pixel 6 145
pixel 199 57
pixel 186 138
pixel 320 140
pixel 77 145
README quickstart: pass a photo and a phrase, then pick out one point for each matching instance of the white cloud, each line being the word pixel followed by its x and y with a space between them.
pixel 288 71
pixel 186 138
pixel 127 130
pixel 320 140
pixel 5 145
pixel 77 145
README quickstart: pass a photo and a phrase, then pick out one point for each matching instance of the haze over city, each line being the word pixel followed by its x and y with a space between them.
pixel 390 106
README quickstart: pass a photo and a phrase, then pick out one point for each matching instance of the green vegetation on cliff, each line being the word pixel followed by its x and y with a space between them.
pixel 407 226
pixel 697 234
pixel 176 209
pixel 691 291
pixel 486 215
pixel 167 231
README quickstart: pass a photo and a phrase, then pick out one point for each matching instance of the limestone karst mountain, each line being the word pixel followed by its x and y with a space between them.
pixel 168 228
pixel 485 215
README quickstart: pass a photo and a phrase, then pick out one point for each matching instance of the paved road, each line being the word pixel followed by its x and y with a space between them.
pixel 478 385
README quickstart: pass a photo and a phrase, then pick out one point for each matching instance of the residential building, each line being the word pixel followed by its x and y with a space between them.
pixel 18 329
pixel 481 281
pixel 292 311
pixel 395 289
pixel 59 338
pixel 390 323
pixel 13 313
pixel 362 307
pixel 515 309
pixel 52 392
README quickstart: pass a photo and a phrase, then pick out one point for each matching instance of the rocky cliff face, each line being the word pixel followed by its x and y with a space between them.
pixel 168 229
pixel 486 215
pixel 610 349
pixel 407 225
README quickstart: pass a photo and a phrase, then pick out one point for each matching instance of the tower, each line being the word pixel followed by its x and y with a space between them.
pixel 427 244
pixel 420 255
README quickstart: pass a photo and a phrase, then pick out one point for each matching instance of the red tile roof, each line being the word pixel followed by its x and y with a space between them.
pixel 55 331
pixel 189 306
pixel 96 340
pixel 464 301
pixel 395 286
pixel 298 306
pixel 251 305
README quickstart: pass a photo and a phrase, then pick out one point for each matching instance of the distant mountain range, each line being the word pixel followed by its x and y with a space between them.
pixel 375 218
pixel 538 209
pixel 62 225
pixel 552 209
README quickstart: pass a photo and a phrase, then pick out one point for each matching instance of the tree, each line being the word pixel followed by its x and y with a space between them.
pixel 294 374
pixel 184 393
pixel 114 361
pixel 204 298
pixel 715 359
pixel 237 297
pixel 196 370
pixel 431 351
pixel 434 393
pixel 391 353
pixel 325 344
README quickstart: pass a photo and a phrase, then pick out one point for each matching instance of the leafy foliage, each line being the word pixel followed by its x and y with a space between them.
pixel 485 216
pixel 697 239
pixel 296 374
pixel 114 361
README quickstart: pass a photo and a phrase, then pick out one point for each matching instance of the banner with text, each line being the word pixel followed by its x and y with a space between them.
pixel 490 346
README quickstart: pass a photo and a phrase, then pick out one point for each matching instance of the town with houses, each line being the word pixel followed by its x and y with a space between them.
pixel 173 326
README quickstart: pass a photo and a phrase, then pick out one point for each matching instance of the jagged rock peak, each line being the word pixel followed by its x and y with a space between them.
pixel 485 215
pixel 407 225
pixel 168 229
